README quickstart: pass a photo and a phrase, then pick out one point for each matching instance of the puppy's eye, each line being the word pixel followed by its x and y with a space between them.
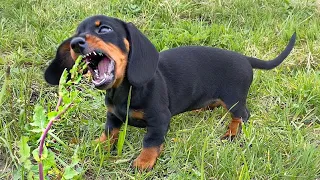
pixel 104 29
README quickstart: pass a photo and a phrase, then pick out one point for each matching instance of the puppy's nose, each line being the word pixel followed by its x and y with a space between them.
pixel 78 44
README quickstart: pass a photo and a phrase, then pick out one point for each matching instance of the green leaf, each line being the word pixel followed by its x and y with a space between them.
pixel 74 94
pixel 44 153
pixel 52 115
pixel 36 130
pixel 66 99
pixel 76 81
pixel 27 164
pixel 69 173
pixel 35 154
pixel 63 80
pixel 30 176
pixel 49 162
pixel 64 77
pixel 75 69
pixel 33 173
pixel 39 117
pixel 24 149
pixel 4 86
pixel 64 106
pixel 17 174
pixel 75 158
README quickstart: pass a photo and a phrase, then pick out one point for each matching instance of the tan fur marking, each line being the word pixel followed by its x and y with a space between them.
pixel 113 136
pixel 120 57
pixel 126 43
pixel 234 128
pixel 217 103
pixel 147 158
pixel 73 54
pixel 136 114
pixel 65 47
pixel 102 138
pixel 110 109
pixel 97 23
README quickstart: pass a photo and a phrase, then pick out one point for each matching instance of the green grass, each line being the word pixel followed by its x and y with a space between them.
pixel 281 140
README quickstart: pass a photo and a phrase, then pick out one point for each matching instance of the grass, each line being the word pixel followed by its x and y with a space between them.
pixel 281 140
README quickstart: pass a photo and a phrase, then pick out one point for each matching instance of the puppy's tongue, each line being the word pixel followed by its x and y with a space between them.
pixel 103 66
pixel 100 74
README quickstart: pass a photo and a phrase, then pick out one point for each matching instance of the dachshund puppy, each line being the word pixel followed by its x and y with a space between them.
pixel 163 84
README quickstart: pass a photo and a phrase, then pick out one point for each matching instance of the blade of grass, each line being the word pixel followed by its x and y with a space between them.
pixel 123 132
pixel 204 148
pixel 5 84
pixel 58 140
pixel 244 174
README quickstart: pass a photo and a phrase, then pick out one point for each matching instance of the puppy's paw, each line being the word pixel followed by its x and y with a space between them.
pixel 233 131
pixel 228 136
pixel 108 141
pixel 113 136
pixel 101 139
pixel 147 158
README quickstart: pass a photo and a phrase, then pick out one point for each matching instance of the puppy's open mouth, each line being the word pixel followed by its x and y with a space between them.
pixel 101 67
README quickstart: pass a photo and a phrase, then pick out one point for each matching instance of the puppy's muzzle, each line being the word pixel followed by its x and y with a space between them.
pixel 79 45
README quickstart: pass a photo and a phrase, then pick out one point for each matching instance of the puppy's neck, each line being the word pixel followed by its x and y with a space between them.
pixel 118 95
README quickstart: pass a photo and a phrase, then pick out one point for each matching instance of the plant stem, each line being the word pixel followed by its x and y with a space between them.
pixel 45 132
pixel 59 103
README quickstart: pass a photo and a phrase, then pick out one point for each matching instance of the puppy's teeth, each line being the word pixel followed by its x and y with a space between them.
pixel 94 53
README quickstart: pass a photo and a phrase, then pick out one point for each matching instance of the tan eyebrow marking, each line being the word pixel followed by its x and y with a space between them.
pixel 97 23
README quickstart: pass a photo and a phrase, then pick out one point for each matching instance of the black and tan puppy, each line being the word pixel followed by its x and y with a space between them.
pixel 163 84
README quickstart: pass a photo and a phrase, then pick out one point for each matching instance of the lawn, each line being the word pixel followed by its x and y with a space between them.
pixel 280 141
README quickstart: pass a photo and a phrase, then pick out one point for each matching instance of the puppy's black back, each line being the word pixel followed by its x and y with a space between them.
pixel 204 81
pixel 209 74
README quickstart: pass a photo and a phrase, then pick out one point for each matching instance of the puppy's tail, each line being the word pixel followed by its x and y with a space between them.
pixel 259 64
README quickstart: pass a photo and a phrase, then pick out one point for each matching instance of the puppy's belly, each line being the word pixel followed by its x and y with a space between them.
pixel 203 104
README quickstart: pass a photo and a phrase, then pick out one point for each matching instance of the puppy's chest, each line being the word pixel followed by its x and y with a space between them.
pixel 117 105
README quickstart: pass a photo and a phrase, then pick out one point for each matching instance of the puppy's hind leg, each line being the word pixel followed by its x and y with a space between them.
pixel 239 114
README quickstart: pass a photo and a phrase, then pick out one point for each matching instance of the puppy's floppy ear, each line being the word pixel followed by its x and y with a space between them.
pixel 143 57
pixel 62 60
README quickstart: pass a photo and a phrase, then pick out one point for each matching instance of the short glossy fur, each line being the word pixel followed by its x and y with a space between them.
pixel 163 84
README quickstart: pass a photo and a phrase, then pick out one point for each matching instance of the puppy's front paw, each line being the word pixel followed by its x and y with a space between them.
pixel 108 141
pixel 101 139
pixel 147 158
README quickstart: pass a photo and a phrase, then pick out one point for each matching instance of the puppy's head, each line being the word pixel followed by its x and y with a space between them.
pixel 112 49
